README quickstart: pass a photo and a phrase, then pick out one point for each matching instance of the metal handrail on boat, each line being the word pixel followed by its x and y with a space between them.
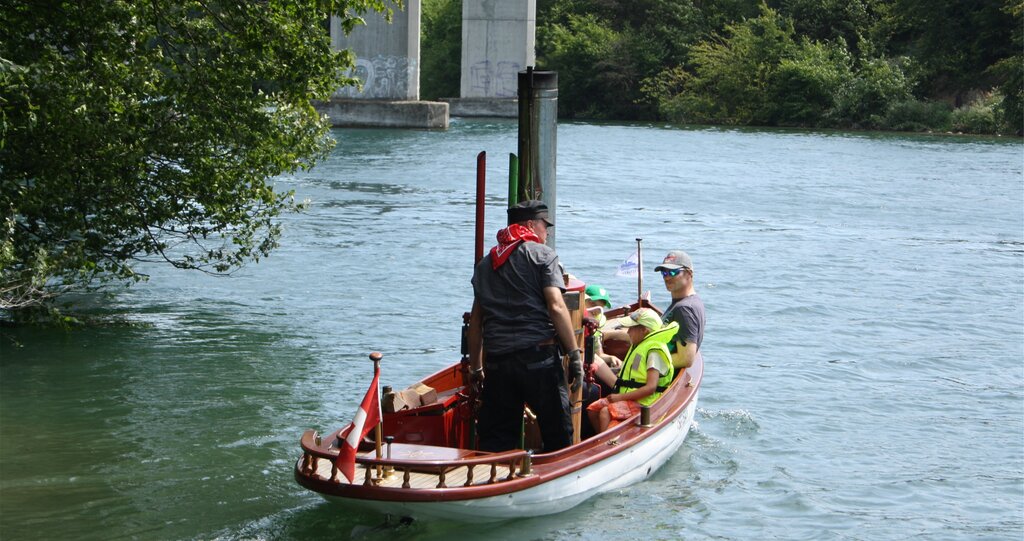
pixel 517 461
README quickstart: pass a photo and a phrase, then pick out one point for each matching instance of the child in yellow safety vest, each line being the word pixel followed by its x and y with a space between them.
pixel 646 370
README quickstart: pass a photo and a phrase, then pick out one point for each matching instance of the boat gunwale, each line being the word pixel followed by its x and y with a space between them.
pixel 545 466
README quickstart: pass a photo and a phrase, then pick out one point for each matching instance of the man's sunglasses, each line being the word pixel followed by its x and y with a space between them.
pixel 671 273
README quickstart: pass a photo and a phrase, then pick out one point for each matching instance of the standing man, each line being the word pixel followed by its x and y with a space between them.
pixel 687 309
pixel 518 329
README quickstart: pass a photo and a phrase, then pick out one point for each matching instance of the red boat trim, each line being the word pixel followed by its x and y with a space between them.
pixel 545 467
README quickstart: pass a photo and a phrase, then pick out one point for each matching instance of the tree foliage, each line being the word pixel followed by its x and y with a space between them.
pixel 441 49
pixel 604 50
pixel 954 41
pixel 758 72
pixel 832 20
pixel 1010 71
pixel 142 131
pixel 843 63
pixel 875 86
pixel 763 71
pixel 579 51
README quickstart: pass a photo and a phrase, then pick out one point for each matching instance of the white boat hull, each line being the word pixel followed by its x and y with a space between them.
pixel 560 494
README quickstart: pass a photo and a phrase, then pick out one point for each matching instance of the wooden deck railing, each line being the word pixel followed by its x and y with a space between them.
pixel 518 463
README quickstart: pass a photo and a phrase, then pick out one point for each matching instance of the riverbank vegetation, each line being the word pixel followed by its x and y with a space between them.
pixel 906 65
pixel 149 131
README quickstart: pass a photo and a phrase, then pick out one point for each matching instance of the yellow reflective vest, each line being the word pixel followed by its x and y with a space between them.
pixel 633 373
pixel 602 320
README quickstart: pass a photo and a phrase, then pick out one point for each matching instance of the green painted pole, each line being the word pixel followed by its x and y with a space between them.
pixel 513 179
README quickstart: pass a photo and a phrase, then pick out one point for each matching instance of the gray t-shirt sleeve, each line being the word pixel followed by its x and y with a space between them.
pixel 552 275
pixel 689 314
pixel 686 316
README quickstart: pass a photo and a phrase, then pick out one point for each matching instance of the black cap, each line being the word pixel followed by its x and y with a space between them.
pixel 532 209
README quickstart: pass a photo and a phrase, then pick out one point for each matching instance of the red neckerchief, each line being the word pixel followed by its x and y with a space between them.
pixel 508 239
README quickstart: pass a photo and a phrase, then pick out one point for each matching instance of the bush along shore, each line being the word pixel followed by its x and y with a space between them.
pixel 950 66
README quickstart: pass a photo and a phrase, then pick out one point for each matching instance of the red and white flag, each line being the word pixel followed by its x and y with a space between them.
pixel 367 417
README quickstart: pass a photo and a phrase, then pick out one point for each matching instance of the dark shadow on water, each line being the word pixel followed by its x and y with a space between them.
pixel 324 520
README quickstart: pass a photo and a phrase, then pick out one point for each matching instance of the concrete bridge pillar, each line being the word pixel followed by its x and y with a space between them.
pixel 498 41
pixel 387 55
pixel 388 64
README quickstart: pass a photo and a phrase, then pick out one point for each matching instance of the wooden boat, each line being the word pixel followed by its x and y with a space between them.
pixel 429 469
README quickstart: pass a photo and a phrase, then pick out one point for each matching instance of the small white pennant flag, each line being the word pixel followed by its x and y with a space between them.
pixel 629 267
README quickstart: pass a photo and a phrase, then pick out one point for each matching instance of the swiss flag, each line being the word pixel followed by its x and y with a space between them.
pixel 367 416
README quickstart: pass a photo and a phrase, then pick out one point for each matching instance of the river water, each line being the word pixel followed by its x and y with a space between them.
pixel 864 351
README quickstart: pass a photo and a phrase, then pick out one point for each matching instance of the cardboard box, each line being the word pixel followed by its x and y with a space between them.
pixel 426 394
pixel 401 400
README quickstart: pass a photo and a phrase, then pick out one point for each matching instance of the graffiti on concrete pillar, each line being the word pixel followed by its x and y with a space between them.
pixel 507 79
pixel 383 77
pixel 498 80
pixel 480 78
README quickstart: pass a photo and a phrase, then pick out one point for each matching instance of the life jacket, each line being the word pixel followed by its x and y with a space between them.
pixel 602 320
pixel 633 374
pixel 675 349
